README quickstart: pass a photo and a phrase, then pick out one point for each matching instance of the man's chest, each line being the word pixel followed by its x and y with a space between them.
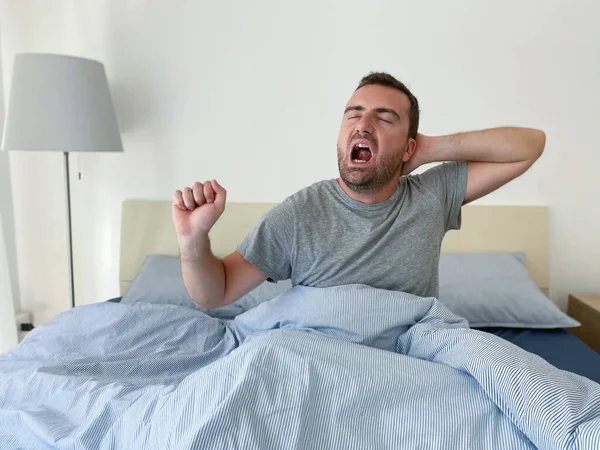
pixel 375 250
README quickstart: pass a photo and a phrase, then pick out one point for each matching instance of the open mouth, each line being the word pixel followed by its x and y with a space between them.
pixel 361 153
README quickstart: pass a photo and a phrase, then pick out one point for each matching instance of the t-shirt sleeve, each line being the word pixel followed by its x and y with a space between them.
pixel 268 246
pixel 448 182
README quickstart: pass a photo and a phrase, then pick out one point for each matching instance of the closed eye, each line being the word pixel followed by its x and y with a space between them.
pixel 383 120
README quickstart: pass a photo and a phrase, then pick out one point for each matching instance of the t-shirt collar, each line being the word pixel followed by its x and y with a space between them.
pixel 367 206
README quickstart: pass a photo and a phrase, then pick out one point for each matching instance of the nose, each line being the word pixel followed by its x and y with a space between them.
pixel 365 124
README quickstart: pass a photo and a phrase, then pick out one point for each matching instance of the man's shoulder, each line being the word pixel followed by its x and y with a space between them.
pixel 315 192
pixel 306 201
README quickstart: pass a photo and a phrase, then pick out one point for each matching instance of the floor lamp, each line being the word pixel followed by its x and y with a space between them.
pixel 60 103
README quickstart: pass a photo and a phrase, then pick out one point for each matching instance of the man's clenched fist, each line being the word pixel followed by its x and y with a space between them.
pixel 196 209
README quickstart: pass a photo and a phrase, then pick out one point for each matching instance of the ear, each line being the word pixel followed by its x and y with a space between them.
pixel 411 148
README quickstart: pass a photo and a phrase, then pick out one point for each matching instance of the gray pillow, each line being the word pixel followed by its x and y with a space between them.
pixel 495 290
pixel 160 281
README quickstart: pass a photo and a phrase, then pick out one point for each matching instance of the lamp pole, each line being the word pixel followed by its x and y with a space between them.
pixel 70 232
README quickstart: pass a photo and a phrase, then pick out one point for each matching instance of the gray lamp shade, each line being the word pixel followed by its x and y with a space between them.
pixel 60 103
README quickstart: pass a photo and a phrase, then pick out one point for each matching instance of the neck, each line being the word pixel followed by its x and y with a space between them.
pixel 371 197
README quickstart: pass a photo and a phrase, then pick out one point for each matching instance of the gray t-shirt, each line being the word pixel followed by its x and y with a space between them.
pixel 321 237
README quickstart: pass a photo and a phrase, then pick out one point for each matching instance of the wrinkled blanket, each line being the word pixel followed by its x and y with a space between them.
pixel 349 367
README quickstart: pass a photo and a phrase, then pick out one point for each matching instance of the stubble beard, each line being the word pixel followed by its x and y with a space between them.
pixel 369 179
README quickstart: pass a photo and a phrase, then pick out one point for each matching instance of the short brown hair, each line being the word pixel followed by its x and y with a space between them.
pixel 385 79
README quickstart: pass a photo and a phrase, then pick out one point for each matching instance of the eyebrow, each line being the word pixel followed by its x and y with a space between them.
pixel 378 110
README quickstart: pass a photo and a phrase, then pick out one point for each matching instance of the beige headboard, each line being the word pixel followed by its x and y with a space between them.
pixel 147 228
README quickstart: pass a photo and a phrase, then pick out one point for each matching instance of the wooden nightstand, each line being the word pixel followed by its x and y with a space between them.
pixel 585 308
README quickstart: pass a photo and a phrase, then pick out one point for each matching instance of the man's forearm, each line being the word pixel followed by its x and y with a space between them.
pixel 502 145
pixel 203 273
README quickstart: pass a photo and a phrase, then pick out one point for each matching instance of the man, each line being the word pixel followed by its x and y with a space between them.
pixel 375 224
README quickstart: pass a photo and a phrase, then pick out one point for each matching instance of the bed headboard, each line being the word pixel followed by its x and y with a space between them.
pixel 147 228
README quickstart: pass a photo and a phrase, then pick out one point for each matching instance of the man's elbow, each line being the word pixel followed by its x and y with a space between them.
pixel 538 143
pixel 200 301
pixel 206 300
pixel 203 304
pixel 213 300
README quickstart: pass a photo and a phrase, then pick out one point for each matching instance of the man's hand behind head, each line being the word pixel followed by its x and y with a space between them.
pixel 417 157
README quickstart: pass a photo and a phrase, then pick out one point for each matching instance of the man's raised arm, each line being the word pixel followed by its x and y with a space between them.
pixel 495 156
pixel 210 281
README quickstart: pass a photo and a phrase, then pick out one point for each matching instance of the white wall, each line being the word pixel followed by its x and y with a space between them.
pixel 8 263
pixel 251 93
pixel 8 249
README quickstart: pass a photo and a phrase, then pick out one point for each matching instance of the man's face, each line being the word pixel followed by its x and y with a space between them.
pixel 373 138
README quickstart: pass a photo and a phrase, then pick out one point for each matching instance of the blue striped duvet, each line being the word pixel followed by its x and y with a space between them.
pixel 350 367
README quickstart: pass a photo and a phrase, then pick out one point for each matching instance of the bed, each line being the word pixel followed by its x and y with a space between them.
pixel 311 368
pixel 485 229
